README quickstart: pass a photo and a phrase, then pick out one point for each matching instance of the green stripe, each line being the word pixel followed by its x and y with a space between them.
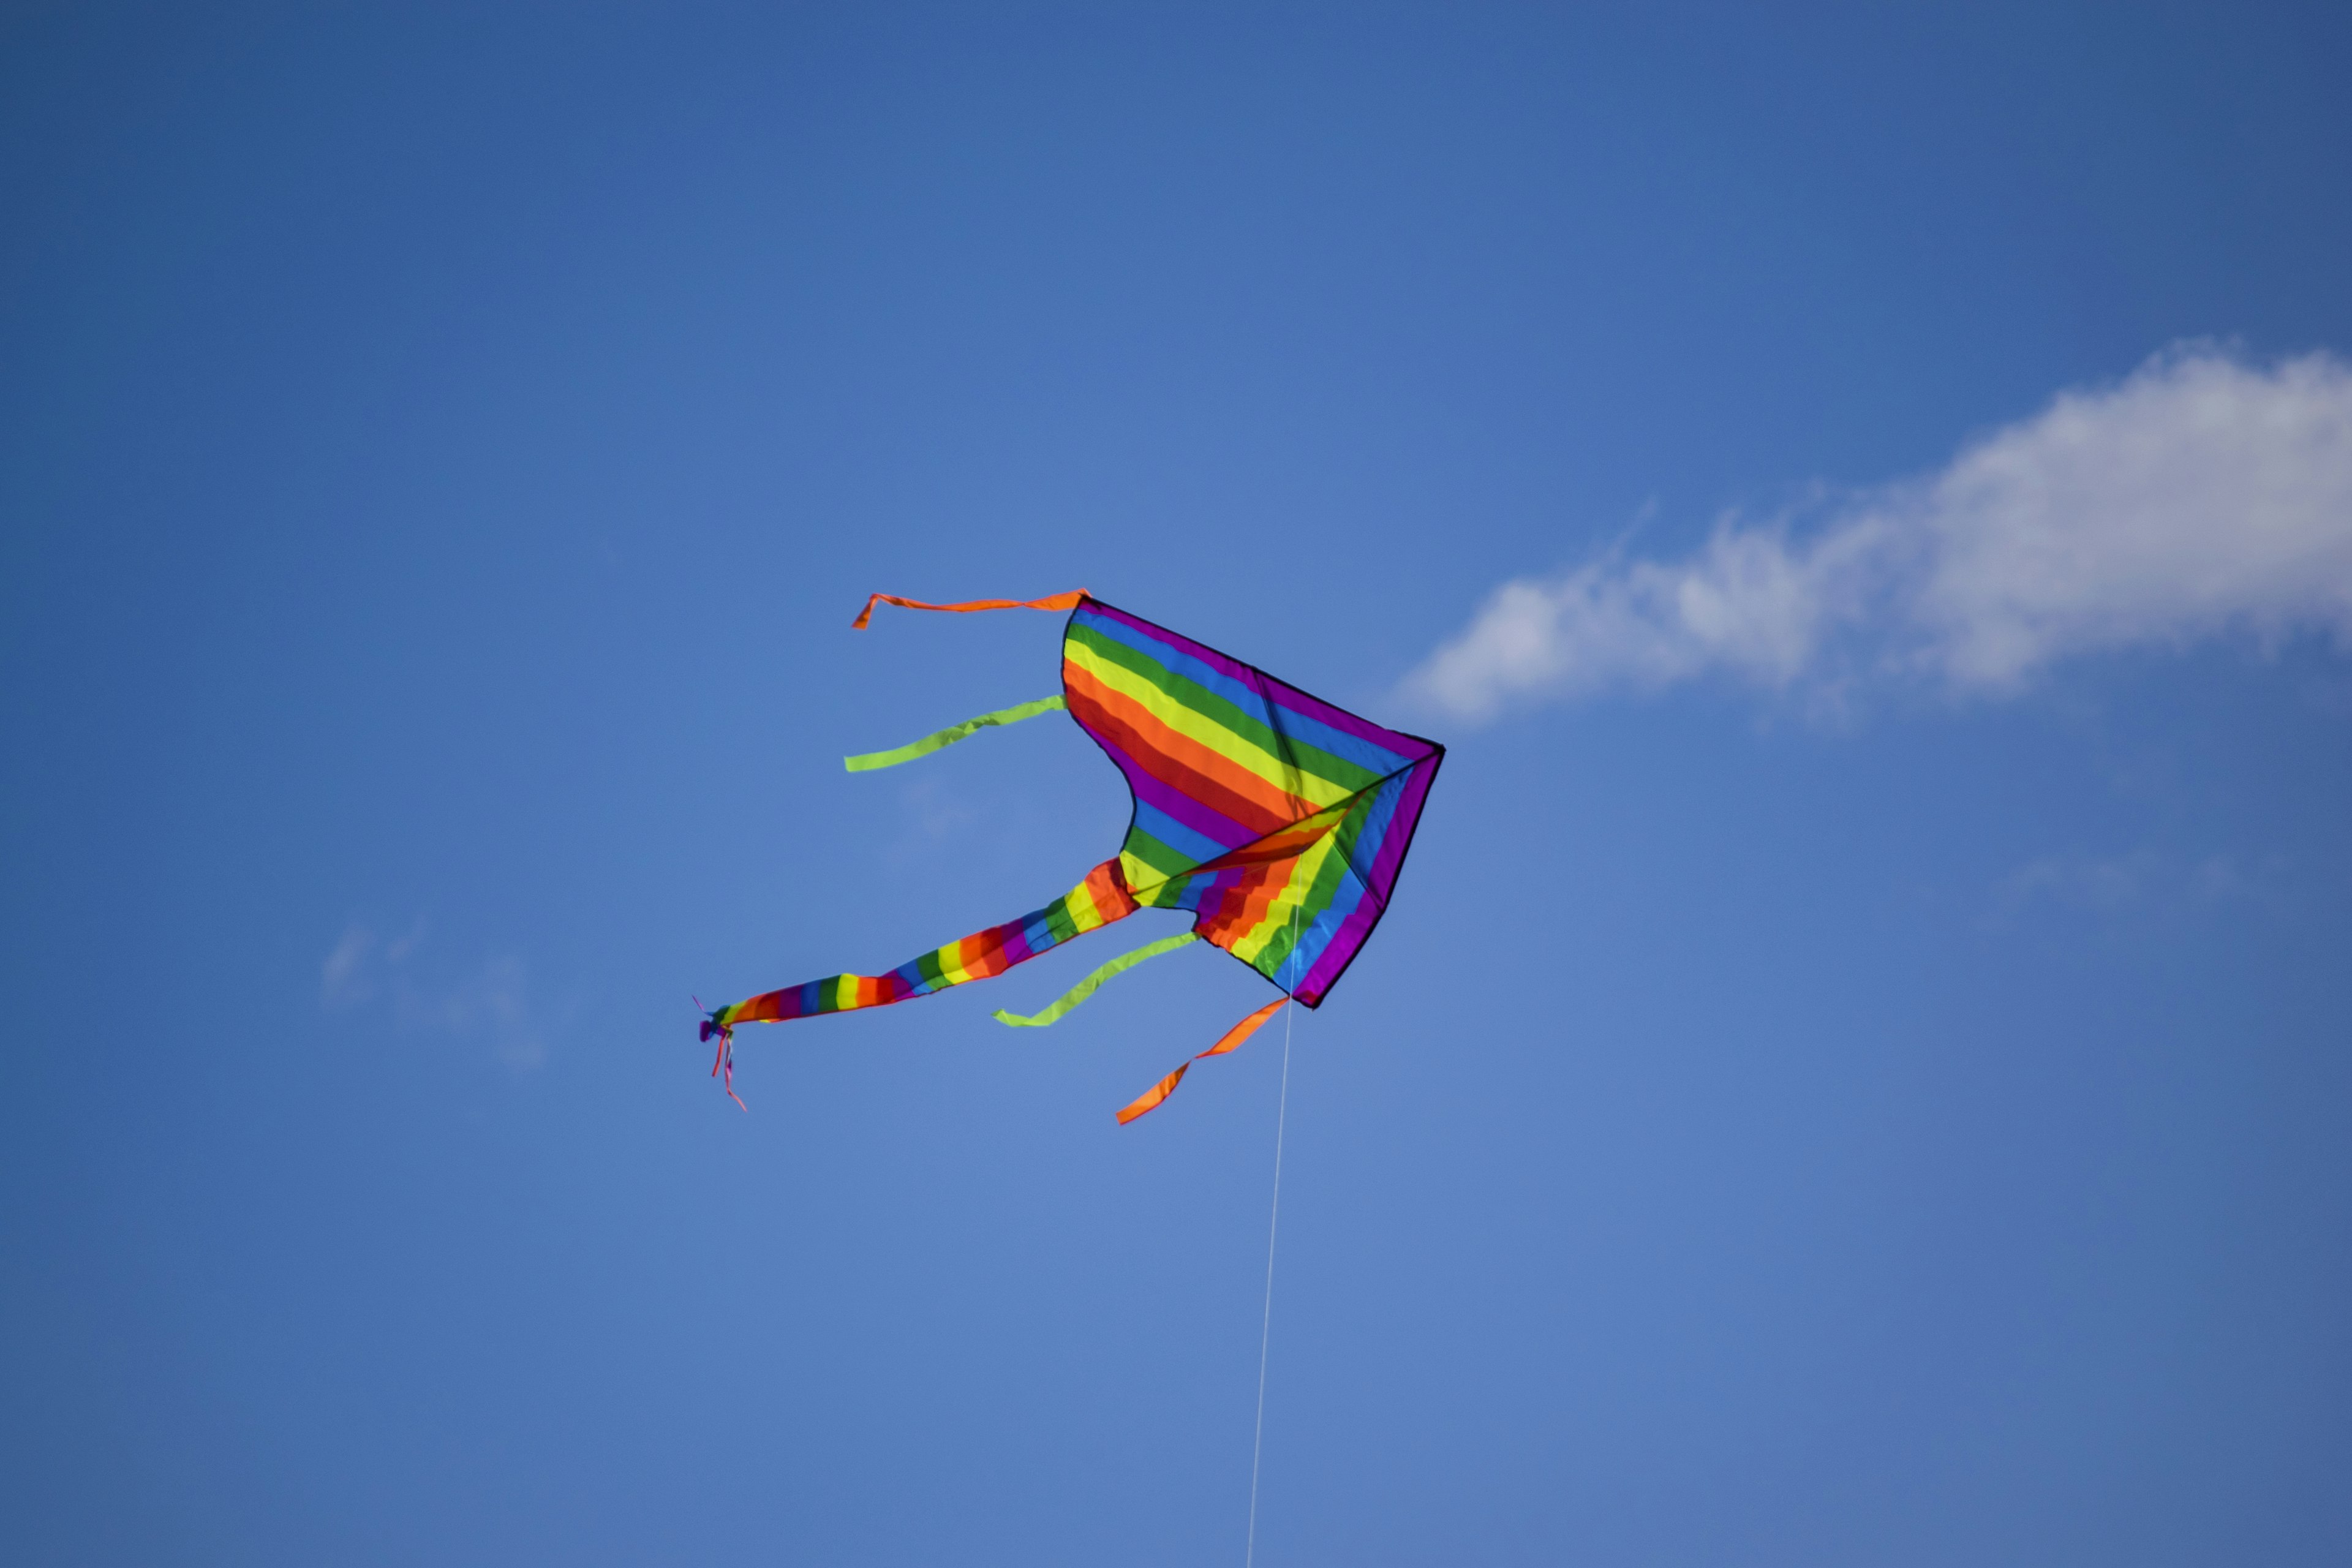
pixel 1087 988
pixel 869 761
pixel 1161 858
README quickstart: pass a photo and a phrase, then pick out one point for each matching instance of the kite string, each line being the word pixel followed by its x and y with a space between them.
pixel 1273 1228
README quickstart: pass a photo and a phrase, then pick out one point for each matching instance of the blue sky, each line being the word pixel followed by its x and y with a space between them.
pixel 1856 1070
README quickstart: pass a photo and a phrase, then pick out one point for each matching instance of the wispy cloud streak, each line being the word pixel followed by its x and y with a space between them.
pixel 2200 495
pixel 493 1001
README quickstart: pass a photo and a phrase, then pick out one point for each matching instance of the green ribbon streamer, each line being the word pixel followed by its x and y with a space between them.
pixel 869 761
pixel 1087 988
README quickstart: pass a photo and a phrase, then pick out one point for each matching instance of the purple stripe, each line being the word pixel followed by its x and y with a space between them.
pixel 1336 953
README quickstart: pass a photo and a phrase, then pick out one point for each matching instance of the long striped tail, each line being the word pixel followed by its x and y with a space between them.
pixel 1101 898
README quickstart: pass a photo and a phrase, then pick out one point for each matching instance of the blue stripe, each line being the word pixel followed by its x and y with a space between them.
pixel 1194 845
pixel 1378 817
pixel 1317 933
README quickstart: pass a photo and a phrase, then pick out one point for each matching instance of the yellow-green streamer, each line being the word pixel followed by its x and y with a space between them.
pixel 1087 988
pixel 869 761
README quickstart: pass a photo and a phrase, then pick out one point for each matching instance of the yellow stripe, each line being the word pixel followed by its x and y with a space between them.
pixel 1149 888
pixel 1241 753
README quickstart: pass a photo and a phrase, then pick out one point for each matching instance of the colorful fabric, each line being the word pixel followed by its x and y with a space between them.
pixel 1101 898
pixel 1278 820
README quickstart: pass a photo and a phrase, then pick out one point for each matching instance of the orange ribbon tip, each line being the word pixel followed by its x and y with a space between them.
pixel 1154 1095
pixel 1150 1098
pixel 1068 601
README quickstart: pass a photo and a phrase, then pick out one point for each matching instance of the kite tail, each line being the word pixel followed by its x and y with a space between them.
pixel 1101 898
pixel 1150 1098
pixel 1068 601
pixel 1093 983
pixel 726 1056
pixel 867 762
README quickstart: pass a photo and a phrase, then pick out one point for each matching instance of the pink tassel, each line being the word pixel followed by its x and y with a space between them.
pixel 726 1056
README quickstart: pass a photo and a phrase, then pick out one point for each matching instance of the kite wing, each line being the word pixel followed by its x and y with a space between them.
pixel 1280 820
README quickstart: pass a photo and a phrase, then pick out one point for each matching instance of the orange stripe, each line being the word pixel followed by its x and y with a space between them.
pixel 1203 759
pixel 1250 815
pixel 1245 906
pixel 1107 886
pixel 1068 601
pixel 981 955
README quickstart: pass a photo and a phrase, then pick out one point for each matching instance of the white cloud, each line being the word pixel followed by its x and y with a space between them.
pixel 2200 495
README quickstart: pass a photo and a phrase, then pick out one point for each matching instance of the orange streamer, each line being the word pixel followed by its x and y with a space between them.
pixel 1068 601
pixel 1150 1098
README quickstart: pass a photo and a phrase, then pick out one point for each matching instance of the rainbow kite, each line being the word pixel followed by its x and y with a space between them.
pixel 1280 821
